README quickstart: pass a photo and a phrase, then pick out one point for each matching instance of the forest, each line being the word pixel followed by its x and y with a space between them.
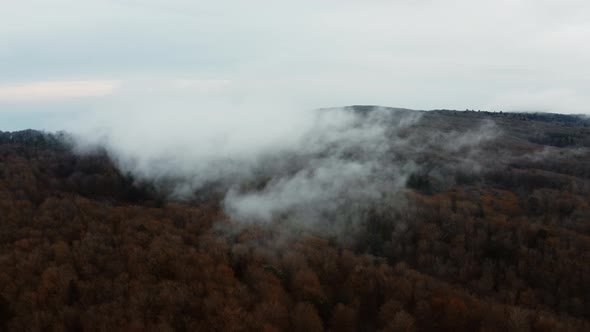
pixel 87 246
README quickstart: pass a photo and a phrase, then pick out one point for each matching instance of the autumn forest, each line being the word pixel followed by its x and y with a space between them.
pixel 486 236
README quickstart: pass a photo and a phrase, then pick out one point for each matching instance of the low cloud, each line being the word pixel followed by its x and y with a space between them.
pixel 321 168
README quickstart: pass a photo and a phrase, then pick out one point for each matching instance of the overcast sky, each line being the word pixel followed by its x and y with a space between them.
pixel 63 59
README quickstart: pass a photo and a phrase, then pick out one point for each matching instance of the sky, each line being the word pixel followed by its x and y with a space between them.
pixel 66 63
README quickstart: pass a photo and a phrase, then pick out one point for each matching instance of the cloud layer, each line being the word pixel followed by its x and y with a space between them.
pixel 502 55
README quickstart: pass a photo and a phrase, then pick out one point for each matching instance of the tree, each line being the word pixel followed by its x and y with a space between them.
pixel 304 318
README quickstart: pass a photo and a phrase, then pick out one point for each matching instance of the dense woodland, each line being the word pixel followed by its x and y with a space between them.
pixel 86 248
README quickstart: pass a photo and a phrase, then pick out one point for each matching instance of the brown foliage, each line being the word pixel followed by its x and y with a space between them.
pixel 83 249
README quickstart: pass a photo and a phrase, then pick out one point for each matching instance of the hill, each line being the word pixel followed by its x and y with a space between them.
pixel 489 231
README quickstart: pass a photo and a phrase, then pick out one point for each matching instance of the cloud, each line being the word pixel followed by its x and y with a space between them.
pixel 417 54
pixel 315 168
pixel 56 90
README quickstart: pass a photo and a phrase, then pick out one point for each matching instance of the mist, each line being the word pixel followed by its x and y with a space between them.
pixel 274 160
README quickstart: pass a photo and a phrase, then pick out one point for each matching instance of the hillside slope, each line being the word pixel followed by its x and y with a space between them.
pixel 501 244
